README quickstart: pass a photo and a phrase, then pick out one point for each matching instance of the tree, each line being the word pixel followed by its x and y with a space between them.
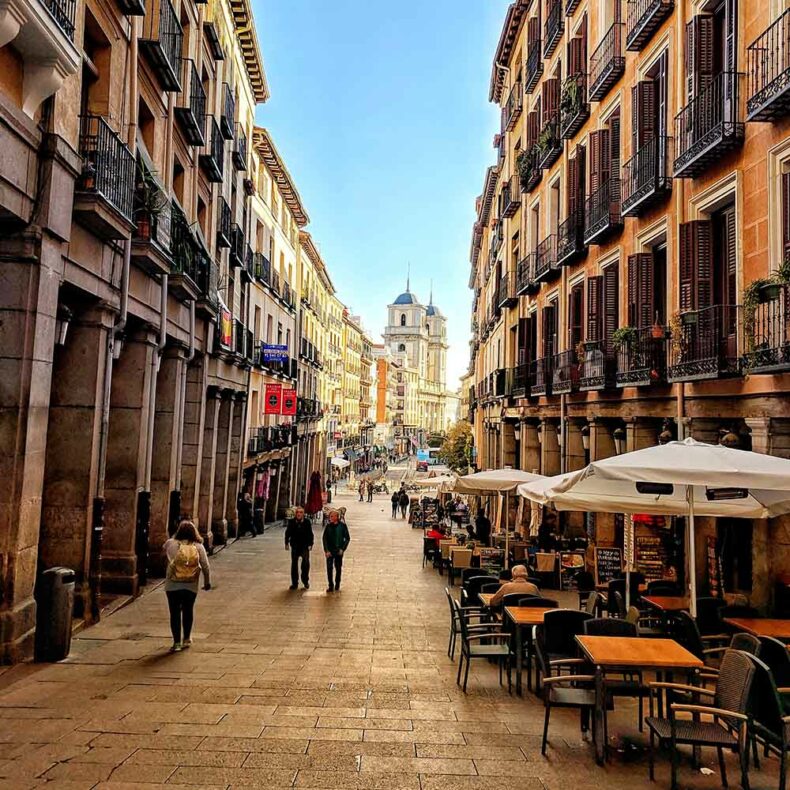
pixel 456 450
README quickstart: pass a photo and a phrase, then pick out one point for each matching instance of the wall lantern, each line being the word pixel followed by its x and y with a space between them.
pixel 619 440
pixel 585 432
pixel 62 322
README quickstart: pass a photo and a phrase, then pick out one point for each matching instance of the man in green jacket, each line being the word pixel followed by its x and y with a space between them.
pixel 335 540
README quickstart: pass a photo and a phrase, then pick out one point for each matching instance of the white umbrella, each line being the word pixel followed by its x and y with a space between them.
pixel 493 483
pixel 340 462
pixel 687 478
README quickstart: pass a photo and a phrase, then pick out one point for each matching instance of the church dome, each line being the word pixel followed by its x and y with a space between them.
pixel 433 310
pixel 407 297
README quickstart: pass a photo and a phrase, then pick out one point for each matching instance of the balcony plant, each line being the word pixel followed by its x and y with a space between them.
pixel 149 201
pixel 623 336
pixel 547 139
pixel 571 97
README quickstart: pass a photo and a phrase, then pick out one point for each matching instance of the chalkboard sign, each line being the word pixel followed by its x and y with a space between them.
pixel 608 563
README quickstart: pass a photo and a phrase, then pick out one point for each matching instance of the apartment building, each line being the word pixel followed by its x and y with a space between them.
pixel 333 371
pixel 125 129
pixel 630 254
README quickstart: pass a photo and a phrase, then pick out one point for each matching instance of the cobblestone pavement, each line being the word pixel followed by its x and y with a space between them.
pixel 283 689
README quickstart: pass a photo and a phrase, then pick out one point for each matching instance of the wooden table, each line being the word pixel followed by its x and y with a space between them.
pixel 485 598
pixel 667 603
pixel 522 616
pixel 613 653
pixel 762 626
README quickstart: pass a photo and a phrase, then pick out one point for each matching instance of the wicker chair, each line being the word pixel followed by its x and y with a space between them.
pixel 728 709
pixel 455 627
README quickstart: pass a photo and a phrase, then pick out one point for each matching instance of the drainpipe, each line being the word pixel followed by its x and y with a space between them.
pixel 155 360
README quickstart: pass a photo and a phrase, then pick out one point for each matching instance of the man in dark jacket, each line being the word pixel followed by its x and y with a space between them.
pixel 483 528
pixel 335 540
pixel 299 537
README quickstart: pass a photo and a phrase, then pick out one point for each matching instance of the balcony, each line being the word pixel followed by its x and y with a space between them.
pixel 213 160
pixel 223 223
pixel 607 63
pixel 288 296
pixel 211 30
pixel 766 333
pixel 534 67
pixel 186 257
pixel 207 303
pixel 509 198
pixel 152 216
pixel 499 383
pixel 708 126
pixel 497 239
pixel 239 155
pixel 228 115
pixel 704 344
pixel 570 240
pixel 768 59
pixel 520 381
pixel 511 112
pixel 274 284
pixel 104 192
pixel 643 18
pixel 602 215
pixel 564 373
pixel 597 367
pixel 571 6
pixel 549 142
pixel 574 107
pixel 642 358
pixel 236 258
pixel 506 291
pixel 248 269
pixel 646 179
pixel 262 268
pixel 554 27
pixel 240 336
pixel 525 275
pixel 161 43
pixel 540 377
pixel 529 170
pixel 190 112
pixel 546 259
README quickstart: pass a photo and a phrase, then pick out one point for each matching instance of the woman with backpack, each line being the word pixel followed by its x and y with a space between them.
pixel 186 558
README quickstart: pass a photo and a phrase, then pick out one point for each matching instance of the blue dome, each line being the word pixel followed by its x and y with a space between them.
pixel 407 297
pixel 432 311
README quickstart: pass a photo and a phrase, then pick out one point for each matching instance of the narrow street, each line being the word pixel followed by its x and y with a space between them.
pixel 305 689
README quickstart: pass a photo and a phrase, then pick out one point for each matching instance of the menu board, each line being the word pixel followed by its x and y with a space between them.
pixel 651 556
pixel 608 563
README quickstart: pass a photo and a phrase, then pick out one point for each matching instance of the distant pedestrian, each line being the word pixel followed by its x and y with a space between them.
pixel 370 491
pixel 244 509
pixel 299 537
pixel 329 492
pixel 186 558
pixel 403 501
pixel 483 527
pixel 335 541
pixel 361 490
pixel 395 499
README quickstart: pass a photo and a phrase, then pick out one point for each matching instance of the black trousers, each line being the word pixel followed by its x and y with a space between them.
pixel 403 509
pixel 295 555
pixel 395 511
pixel 334 561
pixel 182 606
pixel 370 496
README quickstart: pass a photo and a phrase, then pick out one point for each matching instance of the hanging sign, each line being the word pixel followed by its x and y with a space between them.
pixel 272 399
pixel 226 328
pixel 289 402
pixel 275 353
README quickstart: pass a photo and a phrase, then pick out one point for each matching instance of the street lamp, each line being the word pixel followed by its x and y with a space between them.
pixel 62 322
pixel 619 440
pixel 517 431
pixel 560 437
pixel 539 430
pixel 585 432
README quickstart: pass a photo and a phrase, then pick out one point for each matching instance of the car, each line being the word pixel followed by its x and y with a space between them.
pixel 422 466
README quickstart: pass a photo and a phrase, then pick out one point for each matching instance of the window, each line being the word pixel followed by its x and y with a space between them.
pixel 549 329
pixel 647 288
pixel 603 297
pixel 575 315
pixel 785 200
pixel 403 319
pixel 147 126
pixel 605 160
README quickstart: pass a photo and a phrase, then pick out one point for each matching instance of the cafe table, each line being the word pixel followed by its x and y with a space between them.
pixel 762 626
pixel 623 654
pixel 485 598
pixel 521 617
pixel 667 603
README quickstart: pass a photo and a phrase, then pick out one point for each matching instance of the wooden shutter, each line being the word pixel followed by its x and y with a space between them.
pixel 696 265
pixel 551 98
pixel 643 114
pixel 523 344
pixel 594 308
pixel 699 54
pixel 646 290
pixel 583 37
pixel 611 304
pixel 595 161
pixel 785 213
pixel 581 179
pixel 633 290
pixel 533 33
pixel 533 125
pixel 576 315
pixel 575 56
pixel 573 187
pixel 729 249
pixel 614 163
pixel 547 330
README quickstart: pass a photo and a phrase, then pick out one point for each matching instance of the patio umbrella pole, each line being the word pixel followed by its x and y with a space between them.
pixel 692 554
pixel 507 535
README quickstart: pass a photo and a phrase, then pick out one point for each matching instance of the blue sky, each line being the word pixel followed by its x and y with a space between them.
pixel 381 112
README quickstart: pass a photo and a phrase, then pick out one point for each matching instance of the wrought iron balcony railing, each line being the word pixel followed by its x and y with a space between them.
pixel 236 246
pixel 607 63
pixel 191 109
pixel 550 145
pixel 511 112
pixel 213 158
pixel 497 239
pixel 766 332
pixel 239 155
pixel 520 381
pixel 228 115
pixel 540 377
pixel 509 198
pixel 546 259
pixel 525 275
pixel 248 268
pixel 183 248
pixel 643 18
pixel 708 126
pixel 602 212
pixel 553 28
pixel 161 42
pixel 208 283
pixel 263 268
pixel 642 359
pixel 223 223
pixel 768 59
pixel 564 373
pixel 705 344
pixel 570 239
pixel 63 12
pixel 574 107
pixel 646 178
pixel 107 166
pixel 534 69
pixel 597 366
pixel 530 172
pixel 506 290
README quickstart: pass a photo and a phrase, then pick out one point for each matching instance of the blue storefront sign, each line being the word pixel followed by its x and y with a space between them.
pixel 275 353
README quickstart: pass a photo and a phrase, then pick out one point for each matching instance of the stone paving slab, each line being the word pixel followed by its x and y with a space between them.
pixel 299 689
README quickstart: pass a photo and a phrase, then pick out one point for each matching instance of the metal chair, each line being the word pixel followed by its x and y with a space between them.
pixel 428 550
pixel 775 654
pixel 728 709
pixel 593 604
pixel 560 628
pixel 531 600
pixel 471 611
pixel 709 618
pixel 496 646
pixel 472 585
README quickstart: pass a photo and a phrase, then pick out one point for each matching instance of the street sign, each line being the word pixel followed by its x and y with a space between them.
pixel 274 353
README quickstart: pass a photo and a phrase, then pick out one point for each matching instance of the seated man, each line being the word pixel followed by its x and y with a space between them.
pixel 435 533
pixel 518 584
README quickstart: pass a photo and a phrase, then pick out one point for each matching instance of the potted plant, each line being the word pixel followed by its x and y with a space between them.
pixel 570 100
pixel 149 201
pixel 623 336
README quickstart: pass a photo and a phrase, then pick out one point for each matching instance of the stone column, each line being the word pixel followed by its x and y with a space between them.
pixel 126 504
pixel 508 440
pixel 235 460
pixel 601 440
pixel 219 524
pixel 549 448
pixel 73 444
pixel 530 447
pixel 574 453
pixel 641 433
pixel 164 474
pixel 192 441
pixel 208 464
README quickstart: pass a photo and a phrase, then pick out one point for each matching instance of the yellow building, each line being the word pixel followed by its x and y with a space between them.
pixel 333 369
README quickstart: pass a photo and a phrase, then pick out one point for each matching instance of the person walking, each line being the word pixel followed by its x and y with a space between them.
pixel 335 541
pixel 370 491
pixel 361 490
pixel 299 537
pixel 244 509
pixel 186 559
pixel 395 499
pixel 403 501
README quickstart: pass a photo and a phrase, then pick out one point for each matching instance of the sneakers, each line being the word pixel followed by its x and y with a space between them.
pixel 307 585
pixel 176 648
pixel 293 586
pixel 330 589
pixel 186 643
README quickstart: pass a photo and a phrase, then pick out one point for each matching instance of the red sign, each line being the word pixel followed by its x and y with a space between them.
pixel 273 398
pixel 289 402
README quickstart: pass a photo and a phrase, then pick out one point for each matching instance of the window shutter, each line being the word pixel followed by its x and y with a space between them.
pixel 581 180
pixel 786 213
pixel 646 290
pixel 573 183
pixel 730 253
pixel 523 328
pixel 533 124
pixel 576 315
pixel 594 312
pixel 643 113
pixel 614 163
pixel 699 54
pixel 633 290
pixel 551 96
pixel 611 305
pixel 575 56
pixel 583 36
pixel 696 265
pixel 533 32
pixel 548 330
pixel 595 161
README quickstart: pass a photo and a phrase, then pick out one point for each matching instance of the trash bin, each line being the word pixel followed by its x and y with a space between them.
pixel 55 605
